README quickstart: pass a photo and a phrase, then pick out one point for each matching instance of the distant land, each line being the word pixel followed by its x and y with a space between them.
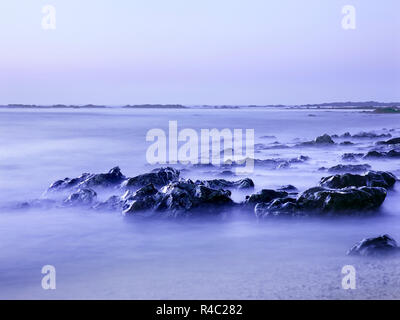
pixel 391 107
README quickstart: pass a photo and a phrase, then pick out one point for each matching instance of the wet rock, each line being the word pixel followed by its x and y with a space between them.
pixel 37 203
pixel 352 156
pixel 143 199
pixel 371 135
pixel 321 140
pixel 179 199
pixel 350 168
pixel 265 195
pixel 324 139
pixel 114 203
pixel 370 179
pixel 158 177
pixel 346 143
pixel 277 207
pixel 390 142
pixel 378 246
pixel 345 200
pixel 225 184
pixel 379 155
pixel 288 188
pixel 87 180
pixel 82 197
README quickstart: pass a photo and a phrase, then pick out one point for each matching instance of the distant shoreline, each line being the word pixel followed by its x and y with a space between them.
pixel 377 107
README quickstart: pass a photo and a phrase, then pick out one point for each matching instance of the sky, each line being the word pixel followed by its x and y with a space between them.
pixel 198 52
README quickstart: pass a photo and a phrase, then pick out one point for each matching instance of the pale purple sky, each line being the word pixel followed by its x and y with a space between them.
pixel 198 52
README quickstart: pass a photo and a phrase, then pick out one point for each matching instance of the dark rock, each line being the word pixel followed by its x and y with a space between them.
pixel 350 168
pixel 352 156
pixel 87 180
pixel 370 179
pixel 82 197
pixel 390 142
pixel 378 246
pixel 158 177
pixel 289 188
pixel 113 203
pixel 265 195
pixel 371 135
pixel 321 140
pixel 346 143
pixel 179 199
pixel 324 139
pixel 379 155
pixel 345 200
pixel 225 184
pixel 322 201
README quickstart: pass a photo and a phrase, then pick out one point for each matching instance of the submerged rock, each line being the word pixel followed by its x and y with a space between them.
pixel 352 156
pixel 371 135
pixel 370 179
pixel 158 177
pixel 381 245
pixel 325 139
pixel 83 197
pixel 381 154
pixel 265 195
pixel 390 142
pixel 350 168
pixel 289 188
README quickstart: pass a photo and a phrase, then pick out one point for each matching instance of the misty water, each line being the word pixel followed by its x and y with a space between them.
pixel 107 255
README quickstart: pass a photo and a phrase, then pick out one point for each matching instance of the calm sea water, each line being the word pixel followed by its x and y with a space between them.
pixel 104 255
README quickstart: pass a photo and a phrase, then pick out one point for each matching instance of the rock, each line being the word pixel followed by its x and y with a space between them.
pixel 389 142
pixel 346 135
pixel 143 199
pixel 378 246
pixel 83 197
pixel 324 139
pixel 87 180
pixel 371 135
pixel 113 203
pixel 345 200
pixel 352 156
pixel 38 204
pixel 225 184
pixel 370 179
pixel 322 201
pixel 350 168
pixel 289 188
pixel 321 140
pixel 179 199
pixel 346 143
pixel 379 155
pixel 158 177
pixel 265 195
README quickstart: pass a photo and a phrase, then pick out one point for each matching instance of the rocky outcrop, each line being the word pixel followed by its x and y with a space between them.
pixel 370 179
pixel 82 197
pixel 178 199
pixel 225 184
pixel 321 140
pixel 349 168
pixel 389 142
pixel 158 177
pixel 265 195
pixel 378 246
pixel 87 180
pixel 382 154
pixel 322 201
